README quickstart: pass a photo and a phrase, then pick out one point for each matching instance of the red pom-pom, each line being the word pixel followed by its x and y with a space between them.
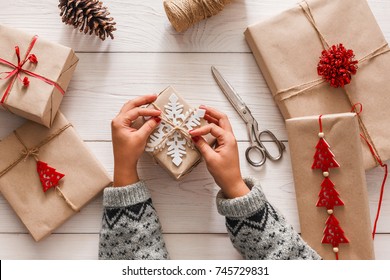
pixel 337 65
pixel 26 82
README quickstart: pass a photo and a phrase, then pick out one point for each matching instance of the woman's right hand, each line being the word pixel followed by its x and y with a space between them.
pixel 223 162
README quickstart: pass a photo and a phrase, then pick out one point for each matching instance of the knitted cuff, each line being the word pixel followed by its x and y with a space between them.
pixel 242 206
pixel 125 196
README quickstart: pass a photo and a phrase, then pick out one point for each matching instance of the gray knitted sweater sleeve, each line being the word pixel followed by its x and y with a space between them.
pixel 131 228
pixel 130 225
pixel 259 231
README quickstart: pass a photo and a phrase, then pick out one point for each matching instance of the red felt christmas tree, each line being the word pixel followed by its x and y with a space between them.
pixel 324 159
pixel 328 196
pixel 333 233
pixel 48 175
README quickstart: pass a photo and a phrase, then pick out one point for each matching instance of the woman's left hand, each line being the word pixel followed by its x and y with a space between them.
pixel 128 142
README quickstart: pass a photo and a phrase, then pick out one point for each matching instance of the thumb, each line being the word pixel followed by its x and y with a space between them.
pixel 203 147
pixel 148 127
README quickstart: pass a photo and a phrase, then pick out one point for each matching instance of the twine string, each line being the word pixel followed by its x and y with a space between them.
pixel 305 87
pixel 184 13
pixel 67 201
pixel 297 90
pixel 174 127
pixel 27 152
pixel 310 17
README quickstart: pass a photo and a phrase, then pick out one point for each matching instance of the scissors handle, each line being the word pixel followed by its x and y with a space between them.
pixel 278 143
pixel 260 151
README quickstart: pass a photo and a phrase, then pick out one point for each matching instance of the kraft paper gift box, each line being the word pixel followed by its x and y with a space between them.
pixel 287 49
pixel 47 79
pixel 342 134
pixel 62 149
pixel 172 148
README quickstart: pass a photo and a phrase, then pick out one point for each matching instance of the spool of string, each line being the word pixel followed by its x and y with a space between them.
pixel 184 13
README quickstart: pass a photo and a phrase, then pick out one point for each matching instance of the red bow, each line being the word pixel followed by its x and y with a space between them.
pixel 17 69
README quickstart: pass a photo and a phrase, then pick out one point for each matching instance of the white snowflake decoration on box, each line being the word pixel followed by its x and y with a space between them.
pixel 173 130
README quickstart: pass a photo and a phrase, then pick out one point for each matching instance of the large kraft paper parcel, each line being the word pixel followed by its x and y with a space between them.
pixel 39 101
pixel 287 49
pixel 43 212
pixel 342 134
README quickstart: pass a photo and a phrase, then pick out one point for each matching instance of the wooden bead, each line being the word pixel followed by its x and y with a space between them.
pixel 330 211
pixel 326 173
pixel 321 135
pixel 335 249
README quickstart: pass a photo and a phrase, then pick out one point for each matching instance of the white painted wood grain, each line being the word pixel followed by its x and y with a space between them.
pixel 102 83
pixel 144 27
pixel 146 56
pixel 180 247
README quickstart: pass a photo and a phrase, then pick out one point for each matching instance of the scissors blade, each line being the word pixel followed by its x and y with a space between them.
pixel 231 95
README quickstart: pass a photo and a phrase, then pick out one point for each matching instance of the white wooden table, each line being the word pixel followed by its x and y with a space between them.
pixel 146 56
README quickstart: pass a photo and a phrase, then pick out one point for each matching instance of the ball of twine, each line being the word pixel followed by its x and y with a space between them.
pixel 184 13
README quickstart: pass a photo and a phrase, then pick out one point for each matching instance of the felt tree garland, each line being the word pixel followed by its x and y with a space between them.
pixel 324 159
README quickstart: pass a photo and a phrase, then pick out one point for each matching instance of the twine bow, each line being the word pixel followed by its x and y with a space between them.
pixel 30 152
pixel 27 152
pixel 174 127
pixel 18 69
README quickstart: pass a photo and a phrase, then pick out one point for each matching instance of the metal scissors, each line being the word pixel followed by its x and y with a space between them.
pixel 251 124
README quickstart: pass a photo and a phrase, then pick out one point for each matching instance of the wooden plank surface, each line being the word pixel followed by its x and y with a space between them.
pixel 102 83
pixel 146 56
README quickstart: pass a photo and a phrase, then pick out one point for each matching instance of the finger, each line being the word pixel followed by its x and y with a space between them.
pixel 203 147
pixel 148 127
pixel 222 118
pixel 210 119
pixel 139 101
pixel 212 128
pixel 136 112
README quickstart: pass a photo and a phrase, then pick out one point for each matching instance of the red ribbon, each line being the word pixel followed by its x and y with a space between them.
pixel 17 69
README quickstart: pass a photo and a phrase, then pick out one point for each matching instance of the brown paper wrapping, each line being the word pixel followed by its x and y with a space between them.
pixel 84 177
pixel 287 50
pixel 342 133
pixel 193 156
pixel 40 101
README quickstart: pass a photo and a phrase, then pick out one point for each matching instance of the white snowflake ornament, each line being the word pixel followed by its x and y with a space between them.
pixel 173 130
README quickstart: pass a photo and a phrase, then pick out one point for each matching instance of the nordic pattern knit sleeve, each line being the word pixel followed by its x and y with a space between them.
pixel 130 225
pixel 258 231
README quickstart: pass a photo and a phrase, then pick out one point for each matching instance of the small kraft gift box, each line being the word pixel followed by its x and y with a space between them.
pixel 170 144
pixel 330 185
pixel 48 175
pixel 323 57
pixel 34 75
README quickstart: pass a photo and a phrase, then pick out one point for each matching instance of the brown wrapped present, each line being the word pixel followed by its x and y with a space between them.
pixel 288 48
pixel 170 144
pixel 343 197
pixel 34 75
pixel 68 176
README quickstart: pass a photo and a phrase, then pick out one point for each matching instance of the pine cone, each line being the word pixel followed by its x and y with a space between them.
pixel 88 15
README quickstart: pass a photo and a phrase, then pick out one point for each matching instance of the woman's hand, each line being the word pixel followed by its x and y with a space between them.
pixel 223 162
pixel 129 143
